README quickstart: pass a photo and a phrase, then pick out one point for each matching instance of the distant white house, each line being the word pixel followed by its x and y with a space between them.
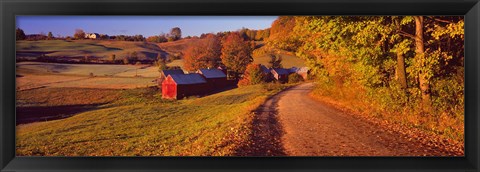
pixel 92 36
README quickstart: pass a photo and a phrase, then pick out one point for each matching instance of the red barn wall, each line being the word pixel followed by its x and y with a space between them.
pixel 169 88
pixel 191 90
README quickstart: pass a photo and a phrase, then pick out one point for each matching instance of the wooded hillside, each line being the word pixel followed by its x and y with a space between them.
pixel 405 69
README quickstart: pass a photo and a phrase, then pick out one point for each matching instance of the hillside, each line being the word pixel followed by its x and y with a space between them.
pixel 80 48
pixel 38 74
pixel 261 56
pixel 139 123
pixel 177 47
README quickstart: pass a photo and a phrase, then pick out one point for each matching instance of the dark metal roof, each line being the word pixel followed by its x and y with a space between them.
pixel 298 70
pixel 212 73
pixel 264 69
pixel 186 79
pixel 172 72
pixel 281 71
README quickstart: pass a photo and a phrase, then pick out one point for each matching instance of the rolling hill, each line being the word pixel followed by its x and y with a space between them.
pixel 80 48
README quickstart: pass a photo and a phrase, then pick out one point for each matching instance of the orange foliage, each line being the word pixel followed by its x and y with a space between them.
pixel 252 75
pixel 236 53
pixel 203 54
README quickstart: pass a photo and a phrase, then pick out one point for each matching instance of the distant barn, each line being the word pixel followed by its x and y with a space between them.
pixel 280 74
pixel 178 86
pixel 266 72
pixel 302 71
pixel 165 73
pixel 216 78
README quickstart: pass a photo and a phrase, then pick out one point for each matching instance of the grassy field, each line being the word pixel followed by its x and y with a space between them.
pixel 81 48
pixel 260 56
pixel 288 61
pixel 105 48
pixel 86 69
pixel 177 47
pixel 37 74
pixel 140 123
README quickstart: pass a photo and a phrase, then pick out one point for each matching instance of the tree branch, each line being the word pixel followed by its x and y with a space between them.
pixel 440 20
pixel 406 34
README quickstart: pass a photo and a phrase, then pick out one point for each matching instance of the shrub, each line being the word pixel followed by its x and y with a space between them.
pixel 253 75
pixel 294 78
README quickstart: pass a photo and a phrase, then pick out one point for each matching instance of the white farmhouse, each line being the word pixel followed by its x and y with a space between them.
pixel 92 36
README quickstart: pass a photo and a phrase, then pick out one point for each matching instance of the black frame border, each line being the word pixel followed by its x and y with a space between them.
pixel 11 8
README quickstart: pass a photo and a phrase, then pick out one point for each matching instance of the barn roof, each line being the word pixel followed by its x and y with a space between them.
pixel 212 73
pixel 303 70
pixel 264 69
pixel 172 72
pixel 281 71
pixel 186 79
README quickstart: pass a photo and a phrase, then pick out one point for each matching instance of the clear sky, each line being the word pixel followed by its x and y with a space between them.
pixel 144 25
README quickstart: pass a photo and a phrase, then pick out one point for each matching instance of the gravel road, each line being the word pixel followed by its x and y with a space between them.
pixel 293 124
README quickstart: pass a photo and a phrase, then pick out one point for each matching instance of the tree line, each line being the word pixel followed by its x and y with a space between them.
pixel 230 50
pixel 79 34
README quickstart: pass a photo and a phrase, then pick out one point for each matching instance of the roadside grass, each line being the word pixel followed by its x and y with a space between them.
pixel 140 123
pixel 410 115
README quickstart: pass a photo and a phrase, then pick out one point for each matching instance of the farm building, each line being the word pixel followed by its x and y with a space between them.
pixel 165 73
pixel 216 78
pixel 266 72
pixel 280 74
pixel 178 86
pixel 92 35
pixel 302 71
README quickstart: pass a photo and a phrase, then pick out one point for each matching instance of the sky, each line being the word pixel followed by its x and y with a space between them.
pixel 143 25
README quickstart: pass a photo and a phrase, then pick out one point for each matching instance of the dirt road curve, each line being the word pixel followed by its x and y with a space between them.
pixel 291 123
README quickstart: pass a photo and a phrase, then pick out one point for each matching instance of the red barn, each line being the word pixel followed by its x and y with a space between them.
pixel 165 73
pixel 280 74
pixel 178 86
pixel 216 78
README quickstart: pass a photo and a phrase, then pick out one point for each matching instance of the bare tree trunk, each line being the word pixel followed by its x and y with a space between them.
pixel 401 73
pixel 420 55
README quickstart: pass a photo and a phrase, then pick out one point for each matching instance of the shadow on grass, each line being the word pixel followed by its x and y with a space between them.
pixel 265 138
pixel 26 115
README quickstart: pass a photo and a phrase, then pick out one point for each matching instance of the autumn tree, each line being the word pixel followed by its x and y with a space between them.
pixel 157 38
pixel 79 34
pixel 20 35
pixel 275 61
pixel 280 34
pixel 162 64
pixel 126 60
pixel 133 56
pixel 50 36
pixel 236 53
pixel 203 54
pixel 175 33
pixel 112 58
pixel 253 75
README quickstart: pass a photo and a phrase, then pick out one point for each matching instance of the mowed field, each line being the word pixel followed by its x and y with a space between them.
pixel 80 48
pixel 37 74
pixel 139 123
pixel 288 60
